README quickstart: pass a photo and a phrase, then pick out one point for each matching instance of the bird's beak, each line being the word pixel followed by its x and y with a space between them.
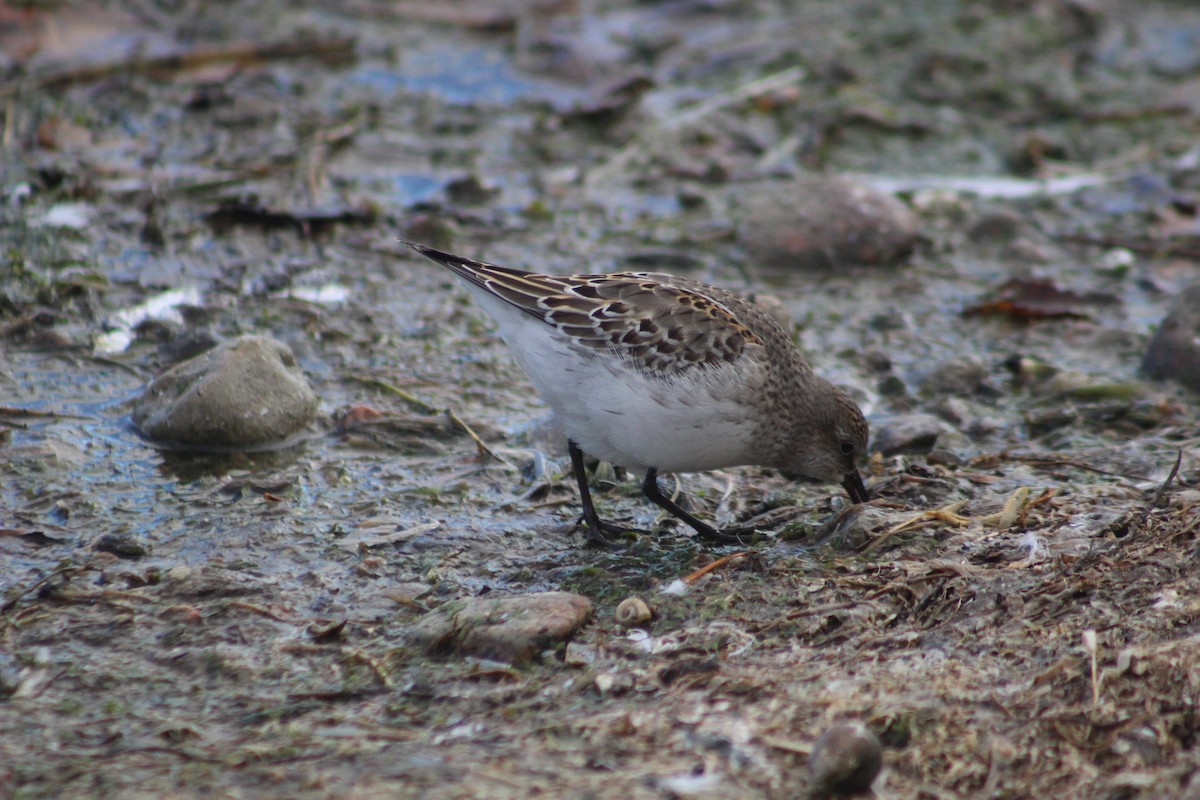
pixel 853 484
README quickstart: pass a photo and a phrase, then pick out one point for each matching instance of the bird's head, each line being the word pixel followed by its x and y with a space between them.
pixel 830 442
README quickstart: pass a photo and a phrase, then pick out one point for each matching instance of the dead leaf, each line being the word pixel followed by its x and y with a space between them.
pixel 1039 298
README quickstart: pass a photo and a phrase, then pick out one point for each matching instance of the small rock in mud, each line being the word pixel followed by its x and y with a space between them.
pixel 248 392
pixel 955 377
pixel 1175 350
pixel 845 759
pixel 997 226
pixel 910 433
pixel 632 612
pixel 430 230
pixel 122 545
pixel 469 190
pixel 818 222
pixel 614 683
pixel 512 629
pixel 944 458
pixel 952 409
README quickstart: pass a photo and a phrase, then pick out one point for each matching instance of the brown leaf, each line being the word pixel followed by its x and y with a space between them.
pixel 1039 298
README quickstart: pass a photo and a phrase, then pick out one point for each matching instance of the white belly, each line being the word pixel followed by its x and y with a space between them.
pixel 698 421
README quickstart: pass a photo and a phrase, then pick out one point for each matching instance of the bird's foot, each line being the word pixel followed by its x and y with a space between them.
pixel 599 533
pixel 738 536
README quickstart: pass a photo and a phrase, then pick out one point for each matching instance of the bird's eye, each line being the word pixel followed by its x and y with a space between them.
pixel 847 448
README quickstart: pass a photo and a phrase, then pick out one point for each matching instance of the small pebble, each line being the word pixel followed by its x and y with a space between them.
pixel 820 222
pixel 907 433
pixel 845 759
pixel 632 612
pixel 515 629
pixel 955 378
pixel 944 458
pixel 122 545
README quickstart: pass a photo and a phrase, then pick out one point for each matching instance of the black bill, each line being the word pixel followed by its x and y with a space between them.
pixel 853 484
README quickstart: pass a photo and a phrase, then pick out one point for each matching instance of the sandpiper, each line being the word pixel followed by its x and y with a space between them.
pixel 654 372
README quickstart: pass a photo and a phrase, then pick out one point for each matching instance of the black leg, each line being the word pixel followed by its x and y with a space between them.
pixel 651 490
pixel 596 528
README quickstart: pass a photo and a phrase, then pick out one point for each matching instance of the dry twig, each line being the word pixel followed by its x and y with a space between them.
pixel 707 568
pixel 1158 496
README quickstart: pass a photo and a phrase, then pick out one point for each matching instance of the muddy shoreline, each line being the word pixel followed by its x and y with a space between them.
pixel 1013 616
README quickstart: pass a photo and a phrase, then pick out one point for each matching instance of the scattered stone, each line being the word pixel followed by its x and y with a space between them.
pixel 431 230
pixel 819 222
pixel 1041 421
pixel 910 433
pixel 891 386
pixel 952 409
pixel 122 545
pixel 996 226
pixel 614 683
pixel 1175 350
pixel 956 377
pixel 580 655
pixel 877 361
pixel 632 612
pixel 944 458
pixel 513 629
pixel 845 759
pixel 246 393
pixel 469 190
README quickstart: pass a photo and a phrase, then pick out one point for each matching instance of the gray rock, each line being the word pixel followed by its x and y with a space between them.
pixel 955 377
pixel 512 629
pixel 1175 350
pixel 954 410
pixel 245 393
pixel 909 433
pixel 845 759
pixel 818 222
pixel 122 545
pixel 996 226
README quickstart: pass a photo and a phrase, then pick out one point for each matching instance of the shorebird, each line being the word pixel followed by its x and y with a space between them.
pixel 653 372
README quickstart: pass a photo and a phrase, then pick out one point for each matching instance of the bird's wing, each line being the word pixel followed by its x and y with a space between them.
pixel 656 323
